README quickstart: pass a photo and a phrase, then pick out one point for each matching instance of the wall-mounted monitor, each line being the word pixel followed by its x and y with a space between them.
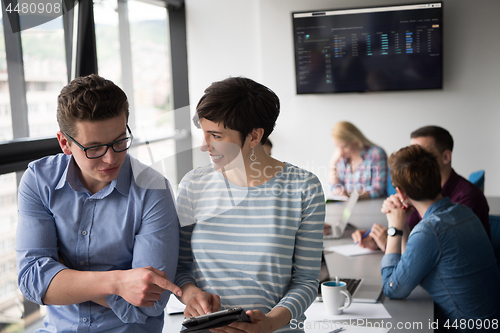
pixel 369 49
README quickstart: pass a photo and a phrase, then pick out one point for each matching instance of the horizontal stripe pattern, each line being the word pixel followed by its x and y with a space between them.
pixel 257 247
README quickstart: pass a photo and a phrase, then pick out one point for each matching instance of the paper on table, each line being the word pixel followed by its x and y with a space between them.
pixel 327 327
pixel 317 312
pixel 350 250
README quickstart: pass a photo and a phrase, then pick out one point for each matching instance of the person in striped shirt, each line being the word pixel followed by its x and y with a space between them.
pixel 251 226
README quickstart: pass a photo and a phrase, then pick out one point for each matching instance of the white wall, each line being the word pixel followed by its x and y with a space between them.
pixel 254 38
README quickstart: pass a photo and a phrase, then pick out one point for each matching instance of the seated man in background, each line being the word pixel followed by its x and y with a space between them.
pixel 448 252
pixel 97 240
pixel 440 142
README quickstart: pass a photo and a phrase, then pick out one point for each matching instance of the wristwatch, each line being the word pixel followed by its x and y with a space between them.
pixel 393 232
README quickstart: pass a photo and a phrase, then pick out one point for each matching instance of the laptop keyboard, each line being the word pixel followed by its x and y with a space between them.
pixel 352 284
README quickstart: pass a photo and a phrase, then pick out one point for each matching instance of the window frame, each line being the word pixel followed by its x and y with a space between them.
pixel 17 153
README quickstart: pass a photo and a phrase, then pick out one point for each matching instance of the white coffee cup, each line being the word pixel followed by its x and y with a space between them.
pixel 335 297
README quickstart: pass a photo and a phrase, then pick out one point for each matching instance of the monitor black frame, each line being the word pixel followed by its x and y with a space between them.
pixel 435 83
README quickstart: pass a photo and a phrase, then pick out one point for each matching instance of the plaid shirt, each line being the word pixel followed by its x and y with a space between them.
pixel 370 176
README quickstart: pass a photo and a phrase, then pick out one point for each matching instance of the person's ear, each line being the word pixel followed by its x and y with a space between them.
pixel 401 194
pixel 446 157
pixel 256 136
pixel 63 143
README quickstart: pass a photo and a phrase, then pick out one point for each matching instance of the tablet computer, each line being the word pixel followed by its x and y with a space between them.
pixel 202 324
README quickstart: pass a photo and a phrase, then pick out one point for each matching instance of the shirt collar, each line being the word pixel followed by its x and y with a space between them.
pixel 450 184
pixel 121 183
pixel 69 176
pixel 442 204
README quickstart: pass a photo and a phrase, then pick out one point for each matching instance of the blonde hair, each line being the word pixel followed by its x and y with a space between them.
pixel 345 131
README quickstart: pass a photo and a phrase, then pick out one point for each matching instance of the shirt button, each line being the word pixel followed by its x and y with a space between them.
pixel 84 320
pixel 391 284
pixel 84 233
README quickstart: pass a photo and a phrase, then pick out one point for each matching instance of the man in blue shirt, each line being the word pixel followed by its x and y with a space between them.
pixel 448 252
pixel 97 237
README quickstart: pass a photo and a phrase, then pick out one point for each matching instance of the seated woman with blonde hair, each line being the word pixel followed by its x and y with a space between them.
pixel 357 164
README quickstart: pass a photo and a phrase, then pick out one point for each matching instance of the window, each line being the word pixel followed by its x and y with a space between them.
pixel 9 292
pixel 140 65
pixel 45 74
pixel 5 118
pixel 108 40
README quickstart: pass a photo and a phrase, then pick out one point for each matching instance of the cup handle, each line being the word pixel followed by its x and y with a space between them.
pixel 348 297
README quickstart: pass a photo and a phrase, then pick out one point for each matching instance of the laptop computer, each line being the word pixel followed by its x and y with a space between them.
pixel 338 227
pixel 363 290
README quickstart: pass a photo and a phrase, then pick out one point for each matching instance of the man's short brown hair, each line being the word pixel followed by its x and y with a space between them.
pixel 89 98
pixel 442 138
pixel 415 171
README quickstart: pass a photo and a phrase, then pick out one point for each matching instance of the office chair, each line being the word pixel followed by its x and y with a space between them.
pixel 477 178
pixel 495 235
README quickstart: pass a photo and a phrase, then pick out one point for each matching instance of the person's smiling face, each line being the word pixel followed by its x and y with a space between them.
pixel 222 144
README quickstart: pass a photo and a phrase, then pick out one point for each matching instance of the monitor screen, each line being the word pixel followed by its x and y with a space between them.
pixel 369 49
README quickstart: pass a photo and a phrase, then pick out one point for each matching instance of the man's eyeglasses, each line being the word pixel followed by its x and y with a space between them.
pixel 100 150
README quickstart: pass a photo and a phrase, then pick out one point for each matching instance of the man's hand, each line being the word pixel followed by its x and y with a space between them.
pixel 144 286
pixel 379 235
pixel 394 201
pixel 397 218
pixel 368 242
pixel 201 303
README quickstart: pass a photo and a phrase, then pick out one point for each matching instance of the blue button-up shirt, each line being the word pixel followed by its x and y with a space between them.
pixel 130 223
pixel 451 256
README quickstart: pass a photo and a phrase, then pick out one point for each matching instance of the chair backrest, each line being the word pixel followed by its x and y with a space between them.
pixel 495 235
pixel 390 189
pixel 477 178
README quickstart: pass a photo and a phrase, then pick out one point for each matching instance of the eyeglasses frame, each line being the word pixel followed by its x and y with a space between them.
pixel 131 137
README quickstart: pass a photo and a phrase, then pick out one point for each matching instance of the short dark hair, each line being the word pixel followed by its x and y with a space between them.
pixel 442 138
pixel 89 98
pixel 415 171
pixel 240 104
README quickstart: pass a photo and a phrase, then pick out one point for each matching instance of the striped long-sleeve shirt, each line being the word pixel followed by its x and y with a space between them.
pixel 256 247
